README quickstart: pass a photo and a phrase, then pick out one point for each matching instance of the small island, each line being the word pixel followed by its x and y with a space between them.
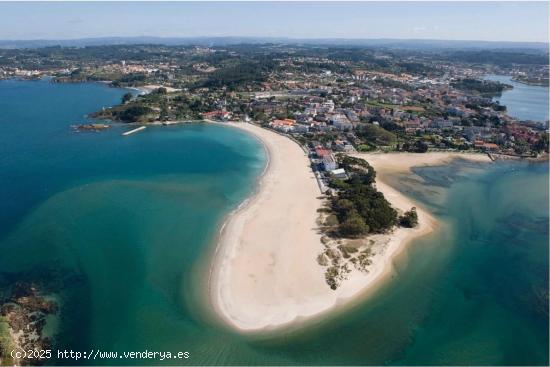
pixel 94 127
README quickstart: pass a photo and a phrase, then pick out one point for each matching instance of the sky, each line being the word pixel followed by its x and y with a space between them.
pixel 486 21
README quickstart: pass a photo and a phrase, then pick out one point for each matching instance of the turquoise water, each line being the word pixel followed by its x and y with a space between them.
pixel 525 102
pixel 119 219
pixel 475 292
pixel 123 226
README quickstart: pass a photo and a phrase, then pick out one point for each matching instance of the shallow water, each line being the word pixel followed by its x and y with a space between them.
pixel 475 292
pixel 122 223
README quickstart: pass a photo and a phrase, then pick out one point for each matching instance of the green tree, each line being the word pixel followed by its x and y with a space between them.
pixel 164 114
pixel 354 225
pixel 418 147
pixel 127 97
pixel 542 143
pixel 134 113
pixel 343 206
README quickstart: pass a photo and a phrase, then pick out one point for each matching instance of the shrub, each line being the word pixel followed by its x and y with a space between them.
pixel 331 220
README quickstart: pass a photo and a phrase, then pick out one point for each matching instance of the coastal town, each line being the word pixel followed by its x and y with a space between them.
pixel 329 99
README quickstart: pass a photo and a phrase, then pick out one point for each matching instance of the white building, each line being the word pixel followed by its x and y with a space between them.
pixel 328 106
pixel 339 173
pixel 329 163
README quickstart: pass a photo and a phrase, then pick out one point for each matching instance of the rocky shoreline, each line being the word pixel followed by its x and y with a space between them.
pixel 23 311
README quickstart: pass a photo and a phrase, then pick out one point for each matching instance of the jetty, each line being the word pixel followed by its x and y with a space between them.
pixel 134 130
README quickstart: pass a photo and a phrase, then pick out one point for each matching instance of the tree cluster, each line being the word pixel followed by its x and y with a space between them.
pixel 484 87
pixel 409 219
pixel 359 207
pixel 418 146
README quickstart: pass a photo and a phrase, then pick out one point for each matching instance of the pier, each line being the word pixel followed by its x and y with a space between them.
pixel 137 129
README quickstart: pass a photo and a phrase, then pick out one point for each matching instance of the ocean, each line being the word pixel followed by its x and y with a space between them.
pixel 122 228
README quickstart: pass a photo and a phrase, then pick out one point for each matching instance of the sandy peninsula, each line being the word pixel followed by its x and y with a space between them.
pixel 265 273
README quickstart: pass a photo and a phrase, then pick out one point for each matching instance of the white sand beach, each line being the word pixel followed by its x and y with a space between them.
pixel 151 87
pixel 265 273
pixel 387 163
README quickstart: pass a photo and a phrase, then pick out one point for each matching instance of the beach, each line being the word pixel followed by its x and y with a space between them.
pixel 149 88
pixel 266 255
pixel 265 273
pixel 388 163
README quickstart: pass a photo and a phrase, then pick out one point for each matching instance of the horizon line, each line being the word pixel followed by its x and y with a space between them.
pixel 269 38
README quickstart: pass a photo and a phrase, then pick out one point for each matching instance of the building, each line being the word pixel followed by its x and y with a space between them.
pixel 341 122
pixel 285 125
pixel 477 132
pixel 342 146
pixel 339 173
pixel 329 163
pixel 443 124
pixel 328 106
pixel 301 129
pixel 219 114
pixel 480 144
pixel 321 152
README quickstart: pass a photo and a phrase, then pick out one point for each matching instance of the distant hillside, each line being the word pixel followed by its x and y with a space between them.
pixel 221 41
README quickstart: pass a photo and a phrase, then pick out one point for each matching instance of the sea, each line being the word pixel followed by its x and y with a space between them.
pixel 121 229
pixel 523 101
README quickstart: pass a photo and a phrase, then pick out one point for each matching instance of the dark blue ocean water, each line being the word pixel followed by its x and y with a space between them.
pixel 119 225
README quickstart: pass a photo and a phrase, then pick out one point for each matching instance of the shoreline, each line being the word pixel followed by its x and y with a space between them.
pixel 213 261
pixel 224 252
pixel 259 284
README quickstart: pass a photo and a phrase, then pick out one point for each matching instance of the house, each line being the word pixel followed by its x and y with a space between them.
pixel 412 125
